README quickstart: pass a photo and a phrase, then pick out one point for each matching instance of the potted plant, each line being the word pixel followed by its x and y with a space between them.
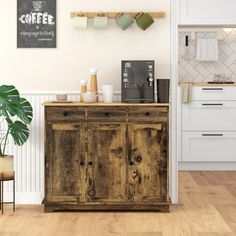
pixel 17 113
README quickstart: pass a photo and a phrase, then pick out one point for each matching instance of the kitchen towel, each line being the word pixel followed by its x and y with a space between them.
pixel 207 50
pixel 186 92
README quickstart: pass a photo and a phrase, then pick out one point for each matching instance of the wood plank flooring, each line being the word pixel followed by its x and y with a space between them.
pixel 207 208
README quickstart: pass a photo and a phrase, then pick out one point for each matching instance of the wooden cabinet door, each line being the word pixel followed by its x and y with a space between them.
pixel 106 162
pixel 66 155
pixel 147 161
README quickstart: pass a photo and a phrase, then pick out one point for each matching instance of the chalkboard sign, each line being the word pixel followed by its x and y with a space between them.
pixel 36 24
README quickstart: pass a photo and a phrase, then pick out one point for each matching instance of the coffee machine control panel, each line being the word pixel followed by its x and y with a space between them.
pixel 138 81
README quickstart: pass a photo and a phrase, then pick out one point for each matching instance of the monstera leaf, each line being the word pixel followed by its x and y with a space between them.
pixel 9 99
pixel 18 114
pixel 19 131
pixel 24 111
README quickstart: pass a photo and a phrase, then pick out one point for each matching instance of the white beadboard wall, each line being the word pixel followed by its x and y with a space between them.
pixel 29 159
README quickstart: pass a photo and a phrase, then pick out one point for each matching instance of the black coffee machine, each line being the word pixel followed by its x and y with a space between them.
pixel 137 83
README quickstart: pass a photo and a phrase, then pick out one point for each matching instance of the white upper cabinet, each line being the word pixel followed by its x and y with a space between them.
pixel 207 12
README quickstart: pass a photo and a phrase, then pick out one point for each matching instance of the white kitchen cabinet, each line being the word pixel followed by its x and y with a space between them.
pixel 207 12
pixel 209 146
pixel 208 125
pixel 209 115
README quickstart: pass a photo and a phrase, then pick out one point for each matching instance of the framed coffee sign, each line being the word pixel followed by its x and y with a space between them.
pixel 36 24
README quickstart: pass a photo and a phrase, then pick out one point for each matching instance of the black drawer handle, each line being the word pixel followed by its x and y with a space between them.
pixel 212 104
pixel 212 135
pixel 90 163
pixel 131 163
pixel 107 114
pixel 212 89
pixel 147 113
pixel 65 113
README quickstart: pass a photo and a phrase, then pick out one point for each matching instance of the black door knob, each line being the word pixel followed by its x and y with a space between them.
pixel 138 159
pixel 81 163
pixel 131 163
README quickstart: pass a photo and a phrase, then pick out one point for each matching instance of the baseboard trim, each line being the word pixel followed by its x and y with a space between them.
pixel 24 198
pixel 211 166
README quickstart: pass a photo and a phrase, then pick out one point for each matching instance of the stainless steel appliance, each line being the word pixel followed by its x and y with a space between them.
pixel 137 83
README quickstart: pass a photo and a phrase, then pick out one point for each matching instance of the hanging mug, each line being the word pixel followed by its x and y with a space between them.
pixel 144 20
pixel 124 20
pixel 80 21
pixel 100 21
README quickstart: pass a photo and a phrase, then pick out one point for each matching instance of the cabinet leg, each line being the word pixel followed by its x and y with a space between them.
pixel 0 194
pixel 14 194
pixel 48 209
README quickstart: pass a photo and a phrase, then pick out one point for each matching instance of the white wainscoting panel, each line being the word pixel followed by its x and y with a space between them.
pixel 29 159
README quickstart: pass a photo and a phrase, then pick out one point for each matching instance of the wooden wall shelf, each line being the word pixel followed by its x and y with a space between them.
pixel 114 14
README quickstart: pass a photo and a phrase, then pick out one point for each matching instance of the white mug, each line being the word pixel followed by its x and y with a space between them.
pixel 108 93
pixel 80 22
pixel 100 21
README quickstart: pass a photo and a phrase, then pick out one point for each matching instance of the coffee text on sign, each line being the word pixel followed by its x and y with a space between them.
pixel 37 18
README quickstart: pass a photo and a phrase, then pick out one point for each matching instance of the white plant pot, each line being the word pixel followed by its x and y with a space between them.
pixel 6 167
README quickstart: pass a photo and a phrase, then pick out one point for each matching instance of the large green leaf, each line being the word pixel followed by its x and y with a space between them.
pixel 9 99
pixel 25 111
pixel 18 131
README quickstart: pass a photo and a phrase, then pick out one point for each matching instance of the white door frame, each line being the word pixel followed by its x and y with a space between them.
pixel 173 111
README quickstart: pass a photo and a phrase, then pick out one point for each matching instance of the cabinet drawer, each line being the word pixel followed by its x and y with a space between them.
pixel 214 93
pixel 148 114
pixel 105 114
pixel 209 146
pixel 209 115
pixel 65 114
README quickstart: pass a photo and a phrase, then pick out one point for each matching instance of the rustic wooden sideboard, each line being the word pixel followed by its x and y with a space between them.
pixel 106 156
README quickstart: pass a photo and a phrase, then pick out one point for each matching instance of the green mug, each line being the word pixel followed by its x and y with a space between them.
pixel 124 20
pixel 144 20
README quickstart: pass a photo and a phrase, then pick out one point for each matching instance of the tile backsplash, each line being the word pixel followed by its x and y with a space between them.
pixel 198 71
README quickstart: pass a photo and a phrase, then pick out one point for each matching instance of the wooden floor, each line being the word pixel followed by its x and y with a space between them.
pixel 207 208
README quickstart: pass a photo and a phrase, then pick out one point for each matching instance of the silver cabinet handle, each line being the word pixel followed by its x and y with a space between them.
pixel 212 104
pixel 212 135
pixel 212 89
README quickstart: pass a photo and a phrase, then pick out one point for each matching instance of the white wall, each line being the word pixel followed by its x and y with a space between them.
pixel 61 69
pixel 78 51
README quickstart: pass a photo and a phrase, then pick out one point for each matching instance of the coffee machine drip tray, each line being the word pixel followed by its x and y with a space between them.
pixel 137 81
pixel 138 95
pixel 138 101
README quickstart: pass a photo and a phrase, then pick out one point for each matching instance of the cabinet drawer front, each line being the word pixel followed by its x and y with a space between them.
pixel 213 93
pixel 207 115
pixel 107 114
pixel 148 114
pixel 209 146
pixel 65 114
